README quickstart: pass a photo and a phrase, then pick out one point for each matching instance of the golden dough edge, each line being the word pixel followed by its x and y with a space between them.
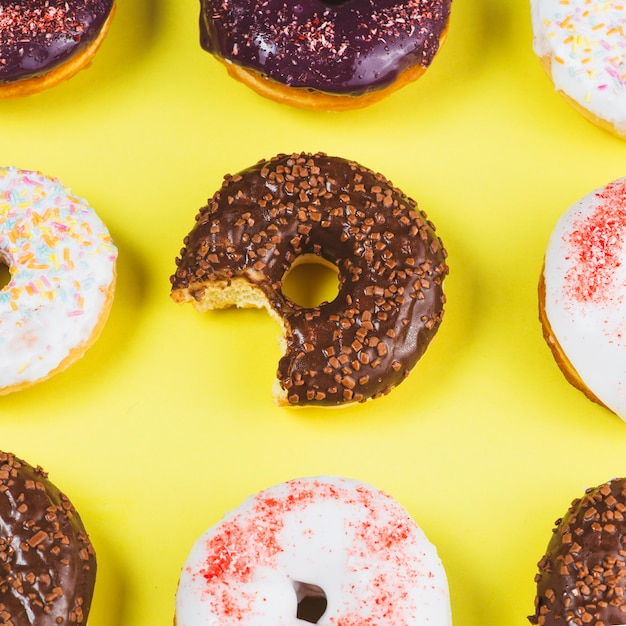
pixel 566 367
pixel 237 292
pixel 241 292
pixel 317 100
pixel 77 352
pixel 58 75
pixel 546 64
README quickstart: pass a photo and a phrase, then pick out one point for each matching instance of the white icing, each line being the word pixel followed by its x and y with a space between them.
pixel 585 278
pixel 586 43
pixel 62 262
pixel 372 562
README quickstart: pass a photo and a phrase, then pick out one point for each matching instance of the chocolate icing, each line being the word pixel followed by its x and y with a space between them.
pixel 391 266
pixel 582 577
pixel 47 563
pixel 348 47
pixel 38 35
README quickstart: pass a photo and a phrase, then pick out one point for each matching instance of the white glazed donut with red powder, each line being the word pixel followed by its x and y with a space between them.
pixel 324 550
pixel 584 285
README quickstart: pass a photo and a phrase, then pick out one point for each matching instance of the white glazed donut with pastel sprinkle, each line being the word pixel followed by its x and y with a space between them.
pixel 582 46
pixel 325 550
pixel 62 266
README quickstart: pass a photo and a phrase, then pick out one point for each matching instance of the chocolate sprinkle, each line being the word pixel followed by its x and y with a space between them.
pixel 38 35
pixel 47 563
pixel 348 47
pixel 391 268
pixel 582 577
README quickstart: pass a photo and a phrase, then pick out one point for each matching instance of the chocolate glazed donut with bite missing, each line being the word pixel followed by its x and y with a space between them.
pixel 47 562
pixel 324 54
pixel 582 576
pixel 45 42
pixel 390 261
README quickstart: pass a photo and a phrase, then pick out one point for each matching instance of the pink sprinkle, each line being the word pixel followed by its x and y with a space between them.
pixel 611 71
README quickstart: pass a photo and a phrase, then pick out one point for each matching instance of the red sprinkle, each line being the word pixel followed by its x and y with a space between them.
pixel 251 539
pixel 596 247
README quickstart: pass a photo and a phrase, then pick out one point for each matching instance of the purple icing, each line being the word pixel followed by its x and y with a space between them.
pixel 348 47
pixel 38 35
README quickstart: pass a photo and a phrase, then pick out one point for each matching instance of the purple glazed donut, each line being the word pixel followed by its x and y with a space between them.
pixel 324 54
pixel 44 42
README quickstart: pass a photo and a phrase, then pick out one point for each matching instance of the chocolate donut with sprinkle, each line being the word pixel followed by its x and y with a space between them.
pixel 390 262
pixel 582 576
pixel 48 563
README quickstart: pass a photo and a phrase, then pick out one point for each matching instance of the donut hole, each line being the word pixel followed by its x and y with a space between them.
pixel 312 602
pixel 311 281
pixel 5 273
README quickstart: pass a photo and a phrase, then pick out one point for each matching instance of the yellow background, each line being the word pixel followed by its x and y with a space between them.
pixel 168 421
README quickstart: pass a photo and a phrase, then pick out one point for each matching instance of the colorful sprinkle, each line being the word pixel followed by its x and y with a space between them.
pixel 587 44
pixel 62 261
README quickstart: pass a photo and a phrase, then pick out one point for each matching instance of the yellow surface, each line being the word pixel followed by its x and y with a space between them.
pixel 168 421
